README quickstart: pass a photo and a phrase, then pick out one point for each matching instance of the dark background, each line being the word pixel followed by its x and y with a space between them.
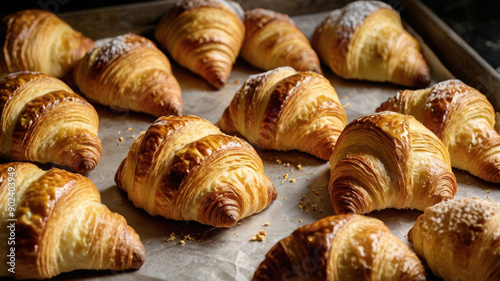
pixel 477 22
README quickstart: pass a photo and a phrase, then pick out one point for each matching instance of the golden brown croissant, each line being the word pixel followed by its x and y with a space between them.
pixel 129 72
pixel 460 239
pixel 273 40
pixel 366 40
pixel 284 110
pixel 43 120
pixel 462 118
pixel 342 247
pixel 60 225
pixel 204 36
pixel 389 160
pixel 184 168
pixel 37 40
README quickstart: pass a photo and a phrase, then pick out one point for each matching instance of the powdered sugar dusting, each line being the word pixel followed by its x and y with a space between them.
pixel 113 47
pixel 443 91
pixel 191 4
pixel 263 16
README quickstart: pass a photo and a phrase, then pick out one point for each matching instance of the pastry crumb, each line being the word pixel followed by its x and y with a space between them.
pixel 316 192
pixel 284 197
pixel 278 161
pixel 266 224
pixel 299 166
pixel 132 136
pixel 400 223
pixel 130 129
pixel 285 176
pixel 119 132
pixel 182 242
pixel 259 236
pixel 300 220
pixel 282 181
pixel 239 223
pixel 142 132
pixel 120 138
pixel 347 105
pixel 307 179
pixel 234 233
pixel 170 238
pixel 487 191
pixel 291 180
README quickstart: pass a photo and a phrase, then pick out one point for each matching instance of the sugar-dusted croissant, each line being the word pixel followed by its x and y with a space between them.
pixel 184 168
pixel 389 160
pixel 283 109
pixel 273 40
pixel 462 118
pixel 342 247
pixel 204 36
pixel 61 225
pixel 460 239
pixel 366 40
pixel 37 40
pixel 129 72
pixel 43 120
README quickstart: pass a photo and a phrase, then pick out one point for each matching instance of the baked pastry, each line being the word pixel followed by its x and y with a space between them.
pixel 204 36
pixel 459 239
pixel 342 247
pixel 462 118
pixel 273 40
pixel 184 168
pixel 129 72
pixel 283 109
pixel 60 225
pixel 43 120
pixel 37 40
pixel 389 160
pixel 366 40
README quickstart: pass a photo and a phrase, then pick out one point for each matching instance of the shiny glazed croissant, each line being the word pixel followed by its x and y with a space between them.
pixel 37 40
pixel 273 40
pixel 204 36
pixel 366 40
pixel 342 247
pixel 184 168
pixel 284 110
pixel 459 239
pixel 129 72
pixel 61 225
pixel 43 120
pixel 462 118
pixel 389 160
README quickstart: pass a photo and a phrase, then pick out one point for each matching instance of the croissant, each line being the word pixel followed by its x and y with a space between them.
pixel 273 40
pixel 60 225
pixel 283 109
pixel 389 160
pixel 37 40
pixel 341 247
pixel 462 118
pixel 43 120
pixel 366 40
pixel 459 239
pixel 204 36
pixel 129 72
pixel 184 168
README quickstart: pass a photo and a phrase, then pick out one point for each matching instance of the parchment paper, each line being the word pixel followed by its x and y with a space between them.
pixel 227 254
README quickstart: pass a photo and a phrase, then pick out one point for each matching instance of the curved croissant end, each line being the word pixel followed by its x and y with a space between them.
pixel 204 36
pixel 273 40
pixel 37 40
pixel 366 40
pixel 129 72
pixel 389 160
pixel 459 239
pixel 342 247
pixel 61 224
pixel 42 120
pixel 285 110
pixel 462 118
pixel 184 168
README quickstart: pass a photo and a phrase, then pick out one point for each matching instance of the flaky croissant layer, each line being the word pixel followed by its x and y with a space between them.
pixel 389 160
pixel 61 224
pixel 462 118
pixel 342 247
pixel 184 168
pixel 283 109
pixel 460 239
pixel 37 40
pixel 43 120
pixel 366 40
pixel 130 72
pixel 204 36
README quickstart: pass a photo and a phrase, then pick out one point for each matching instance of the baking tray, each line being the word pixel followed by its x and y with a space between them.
pixel 228 254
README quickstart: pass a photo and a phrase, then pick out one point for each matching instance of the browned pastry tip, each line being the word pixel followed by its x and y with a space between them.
pixel 184 168
pixel 462 118
pixel 43 120
pixel 37 40
pixel 389 160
